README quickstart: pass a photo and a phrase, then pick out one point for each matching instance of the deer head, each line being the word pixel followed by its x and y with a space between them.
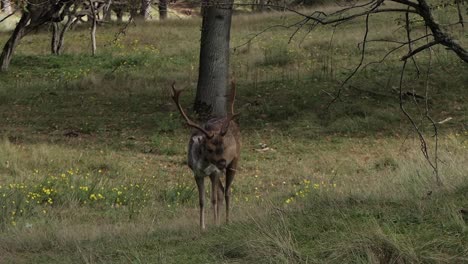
pixel 213 142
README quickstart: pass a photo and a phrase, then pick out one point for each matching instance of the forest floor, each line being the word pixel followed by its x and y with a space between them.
pixel 93 151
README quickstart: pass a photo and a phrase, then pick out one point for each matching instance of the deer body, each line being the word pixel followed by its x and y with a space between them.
pixel 213 152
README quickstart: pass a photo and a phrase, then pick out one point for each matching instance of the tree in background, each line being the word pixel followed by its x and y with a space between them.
pixel 6 6
pixel 162 6
pixel 35 14
pixel 145 9
pixel 213 75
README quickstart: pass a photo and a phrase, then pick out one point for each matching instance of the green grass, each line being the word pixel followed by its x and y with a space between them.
pixel 93 151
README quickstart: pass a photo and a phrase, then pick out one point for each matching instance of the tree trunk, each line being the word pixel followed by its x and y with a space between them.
pixel 55 38
pixel 107 11
pixel 93 27
pixel 214 60
pixel 261 6
pixel 145 9
pixel 11 44
pixel 6 6
pixel 133 9
pixel 162 6
pixel 119 14
pixel 58 34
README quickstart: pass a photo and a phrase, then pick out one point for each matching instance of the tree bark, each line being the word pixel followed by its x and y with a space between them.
pixel 162 6
pixel 213 76
pixel 11 44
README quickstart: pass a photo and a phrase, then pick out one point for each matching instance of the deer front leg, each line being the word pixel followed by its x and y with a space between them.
pixel 200 179
pixel 214 196
pixel 220 197
pixel 230 173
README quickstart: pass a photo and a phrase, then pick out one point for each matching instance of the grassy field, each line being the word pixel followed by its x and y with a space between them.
pixel 92 150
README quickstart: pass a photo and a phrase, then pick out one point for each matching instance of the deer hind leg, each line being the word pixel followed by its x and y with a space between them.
pixel 230 173
pixel 201 198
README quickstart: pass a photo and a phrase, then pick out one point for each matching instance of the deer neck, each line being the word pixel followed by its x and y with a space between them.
pixel 196 161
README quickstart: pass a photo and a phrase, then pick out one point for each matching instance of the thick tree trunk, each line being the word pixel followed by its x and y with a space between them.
pixel 214 60
pixel 11 44
pixel 145 9
pixel 6 6
pixel 162 6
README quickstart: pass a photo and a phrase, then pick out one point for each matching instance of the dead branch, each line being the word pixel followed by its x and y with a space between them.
pixel 460 15
pixel 435 165
pixel 8 16
pixel 421 48
pixel 422 140
pixel 363 52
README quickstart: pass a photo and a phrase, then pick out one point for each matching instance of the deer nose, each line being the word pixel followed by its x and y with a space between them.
pixel 221 164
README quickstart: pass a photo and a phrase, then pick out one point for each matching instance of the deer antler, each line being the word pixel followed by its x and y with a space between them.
pixel 231 115
pixel 175 97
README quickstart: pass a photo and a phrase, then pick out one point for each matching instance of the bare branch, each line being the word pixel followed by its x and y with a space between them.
pixel 407 3
pixel 421 48
pixel 435 165
pixel 363 52
pixel 460 15
pixel 9 15
pixel 422 140
pixel 301 23
pixel 408 36
pixel 439 35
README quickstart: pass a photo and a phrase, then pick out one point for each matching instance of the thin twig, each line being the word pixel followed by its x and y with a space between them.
pixel 435 165
pixel 393 50
pixel 9 15
pixel 419 49
pixel 254 36
pixel 408 36
pixel 460 15
pixel 422 140
pixel 363 52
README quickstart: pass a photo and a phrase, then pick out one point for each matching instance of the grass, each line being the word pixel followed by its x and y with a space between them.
pixel 92 151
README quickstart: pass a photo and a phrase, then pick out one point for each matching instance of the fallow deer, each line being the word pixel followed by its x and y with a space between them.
pixel 213 151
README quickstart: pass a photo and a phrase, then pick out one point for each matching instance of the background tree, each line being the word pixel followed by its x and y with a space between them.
pixel 35 14
pixel 145 9
pixel 214 59
pixel 6 6
pixel 72 13
pixel 162 6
